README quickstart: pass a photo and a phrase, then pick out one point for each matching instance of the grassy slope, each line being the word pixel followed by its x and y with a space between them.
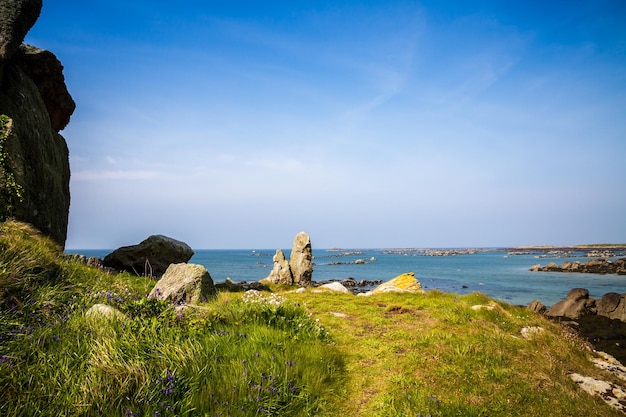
pixel 432 354
pixel 317 354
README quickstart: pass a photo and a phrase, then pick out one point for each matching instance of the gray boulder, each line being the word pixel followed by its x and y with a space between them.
pixel 184 284
pixel 577 304
pixel 613 306
pixel 34 106
pixel 281 272
pixel 537 306
pixel 151 257
pixel 301 260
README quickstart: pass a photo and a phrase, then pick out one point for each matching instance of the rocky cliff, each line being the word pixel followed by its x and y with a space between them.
pixel 34 106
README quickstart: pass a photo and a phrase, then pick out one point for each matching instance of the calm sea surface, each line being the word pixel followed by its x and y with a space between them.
pixel 494 273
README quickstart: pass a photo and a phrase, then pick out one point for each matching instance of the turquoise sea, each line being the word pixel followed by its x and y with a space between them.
pixel 492 272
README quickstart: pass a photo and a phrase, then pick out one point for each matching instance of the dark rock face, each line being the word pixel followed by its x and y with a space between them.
pixel 151 257
pixel 16 19
pixel 46 71
pixel 34 106
pixel 592 266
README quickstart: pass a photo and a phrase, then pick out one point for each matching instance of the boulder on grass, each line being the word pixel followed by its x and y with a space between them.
pixel 402 283
pixel 151 257
pixel 105 312
pixel 184 284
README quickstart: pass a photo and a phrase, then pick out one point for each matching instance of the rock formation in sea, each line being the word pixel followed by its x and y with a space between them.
pixel 299 269
pixel 34 106
pixel 151 257
pixel 592 266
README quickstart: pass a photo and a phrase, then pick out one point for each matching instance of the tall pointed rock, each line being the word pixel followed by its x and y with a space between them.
pixel 301 260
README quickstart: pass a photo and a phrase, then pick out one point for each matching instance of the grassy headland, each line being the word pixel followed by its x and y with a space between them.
pixel 282 353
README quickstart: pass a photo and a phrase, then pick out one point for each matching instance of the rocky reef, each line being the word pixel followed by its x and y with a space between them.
pixel 592 266
pixel 34 106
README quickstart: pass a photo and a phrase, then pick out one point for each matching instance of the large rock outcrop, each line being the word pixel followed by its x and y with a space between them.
pixel 34 106
pixel 151 257
pixel 299 269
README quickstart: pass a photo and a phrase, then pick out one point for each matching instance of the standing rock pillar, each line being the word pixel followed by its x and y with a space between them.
pixel 301 260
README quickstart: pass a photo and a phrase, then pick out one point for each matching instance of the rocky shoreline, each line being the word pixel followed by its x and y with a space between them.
pixel 592 266
pixel 600 322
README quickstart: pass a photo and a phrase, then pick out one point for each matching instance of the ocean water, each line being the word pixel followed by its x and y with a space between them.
pixel 494 273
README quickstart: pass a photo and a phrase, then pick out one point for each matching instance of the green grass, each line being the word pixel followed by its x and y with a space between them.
pixel 282 353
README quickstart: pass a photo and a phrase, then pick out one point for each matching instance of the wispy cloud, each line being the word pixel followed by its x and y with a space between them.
pixel 116 175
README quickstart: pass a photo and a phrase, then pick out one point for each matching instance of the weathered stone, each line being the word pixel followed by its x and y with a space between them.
pixel 613 306
pixel 576 305
pixel 333 287
pixel 577 294
pixel 402 283
pixel 184 284
pixel 537 306
pixel 35 172
pixel 301 260
pixel 612 394
pixel 281 272
pixel 151 257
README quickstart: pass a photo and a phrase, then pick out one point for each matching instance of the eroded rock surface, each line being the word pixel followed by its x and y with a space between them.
pixel 184 284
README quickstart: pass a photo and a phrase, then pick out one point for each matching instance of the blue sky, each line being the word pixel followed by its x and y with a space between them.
pixel 367 124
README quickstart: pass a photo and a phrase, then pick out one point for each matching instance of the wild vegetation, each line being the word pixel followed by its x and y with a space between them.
pixel 281 353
